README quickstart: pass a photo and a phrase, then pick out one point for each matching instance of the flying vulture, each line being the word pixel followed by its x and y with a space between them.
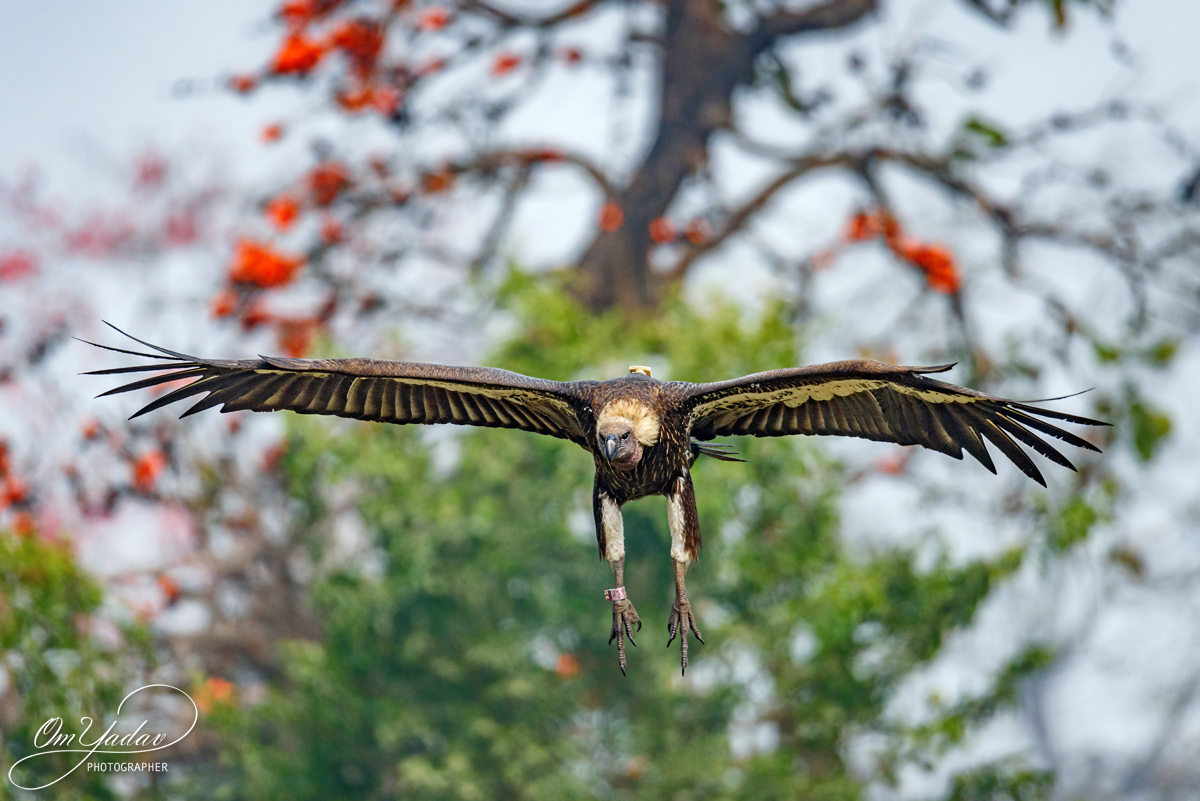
pixel 643 434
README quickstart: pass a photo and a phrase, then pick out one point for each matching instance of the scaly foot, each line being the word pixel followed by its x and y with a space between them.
pixel 624 616
pixel 682 620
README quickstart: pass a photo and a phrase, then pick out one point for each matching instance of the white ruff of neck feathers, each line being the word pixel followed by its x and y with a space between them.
pixel 640 419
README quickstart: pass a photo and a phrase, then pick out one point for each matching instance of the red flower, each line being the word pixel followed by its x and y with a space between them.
pixel 433 19
pixel 941 271
pixel 297 12
pixel 697 231
pixel 151 171
pixel 611 217
pixel 440 181
pixel 224 304
pixel 272 132
pixel 823 259
pixel 297 56
pixel 91 428
pixel 255 316
pixel 331 230
pixel 283 211
pixel 272 456
pixel 863 226
pixel 13 491
pixel 661 230
pixel 505 63
pixel 380 166
pixel 327 181
pixel 567 665
pixel 361 40
pixel 181 228
pixel 243 84
pixel 896 464
pixel 296 336
pixel 23 524
pixel 258 264
pixel 213 693
pixel 17 264
pixel 386 100
pixel 355 99
pixel 146 470
pixel 169 587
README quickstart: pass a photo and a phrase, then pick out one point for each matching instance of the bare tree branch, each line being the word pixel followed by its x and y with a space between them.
pixel 830 16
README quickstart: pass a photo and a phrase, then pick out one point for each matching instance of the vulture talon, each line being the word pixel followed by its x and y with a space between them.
pixel 624 616
pixel 682 621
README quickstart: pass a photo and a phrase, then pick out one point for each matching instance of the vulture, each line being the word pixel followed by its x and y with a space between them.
pixel 643 434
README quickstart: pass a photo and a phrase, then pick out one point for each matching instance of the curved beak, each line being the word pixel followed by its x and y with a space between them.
pixel 610 447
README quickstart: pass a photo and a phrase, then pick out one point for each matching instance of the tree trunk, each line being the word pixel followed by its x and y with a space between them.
pixel 703 61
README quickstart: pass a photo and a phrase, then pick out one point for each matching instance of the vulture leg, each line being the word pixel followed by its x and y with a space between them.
pixel 685 546
pixel 624 616
pixel 610 532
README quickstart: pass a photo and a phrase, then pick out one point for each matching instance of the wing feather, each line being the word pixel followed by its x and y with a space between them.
pixel 1041 446
pixel 366 389
pixel 154 381
pixel 881 402
pixel 997 437
pixel 1045 428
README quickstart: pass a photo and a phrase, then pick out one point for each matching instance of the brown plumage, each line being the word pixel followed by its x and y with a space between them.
pixel 644 434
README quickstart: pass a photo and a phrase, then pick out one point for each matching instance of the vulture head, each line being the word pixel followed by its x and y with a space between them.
pixel 619 443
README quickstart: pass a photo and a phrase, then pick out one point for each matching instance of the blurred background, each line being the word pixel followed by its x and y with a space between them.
pixel 565 189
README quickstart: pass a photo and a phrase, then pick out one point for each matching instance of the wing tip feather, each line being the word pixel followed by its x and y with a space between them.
pixel 937 368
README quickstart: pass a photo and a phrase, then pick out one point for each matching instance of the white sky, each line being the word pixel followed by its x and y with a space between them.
pixel 73 71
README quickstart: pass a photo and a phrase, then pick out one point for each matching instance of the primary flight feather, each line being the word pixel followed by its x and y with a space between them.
pixel 644 434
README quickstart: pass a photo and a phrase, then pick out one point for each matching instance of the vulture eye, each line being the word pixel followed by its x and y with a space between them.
pixel 625 435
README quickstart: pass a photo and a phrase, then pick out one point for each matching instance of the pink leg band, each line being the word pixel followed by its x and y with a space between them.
pixel 615 595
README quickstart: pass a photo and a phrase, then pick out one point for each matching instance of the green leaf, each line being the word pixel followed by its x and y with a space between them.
pixel 1073 524
pixel 1162 353
pixel 1150 427
pixel 991 133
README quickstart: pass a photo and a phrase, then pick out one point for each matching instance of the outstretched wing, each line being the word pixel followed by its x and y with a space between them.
pixel 366 389
pixel 872 400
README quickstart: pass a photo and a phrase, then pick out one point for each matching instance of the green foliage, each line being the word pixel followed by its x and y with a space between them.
pixel 1150 427
pixel 1002 782
pixel 950 726
pixel 54 669
pixel 474 662
pixel 990 133
pixel 1072 524
pixel 1157 354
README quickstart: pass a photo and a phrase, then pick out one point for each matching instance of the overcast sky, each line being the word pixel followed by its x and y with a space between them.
pixel 72 70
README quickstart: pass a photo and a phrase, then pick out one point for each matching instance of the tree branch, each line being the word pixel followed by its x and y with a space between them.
pixel 830 16
pixel 510 20
pixel 739 218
